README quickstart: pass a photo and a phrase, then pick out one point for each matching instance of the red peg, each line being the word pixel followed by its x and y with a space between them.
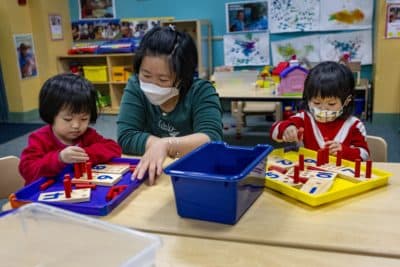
pixel 296 174
pixel 368 170
pixel 46 184
pixel 301 162
pixel 339 158
pixel 67 187
pixel 320 157
pixel 77 170
pixel 357 168
pixel 89 170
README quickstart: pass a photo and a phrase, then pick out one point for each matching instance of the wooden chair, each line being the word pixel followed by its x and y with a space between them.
pixel 377 148
pixel 10 179
pixel 241 109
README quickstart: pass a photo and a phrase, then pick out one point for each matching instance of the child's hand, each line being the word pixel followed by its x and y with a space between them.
pixel 333 146
pixel 73 154
pixel 152 161
pixel 290 134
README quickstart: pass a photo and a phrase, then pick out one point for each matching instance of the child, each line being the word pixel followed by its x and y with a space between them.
pixel 67 102
pixel 327 120
pixel 165 111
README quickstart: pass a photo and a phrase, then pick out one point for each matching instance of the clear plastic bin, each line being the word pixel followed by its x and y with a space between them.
pixel 42 235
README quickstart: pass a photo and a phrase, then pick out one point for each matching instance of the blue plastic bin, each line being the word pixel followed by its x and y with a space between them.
pixel 217 182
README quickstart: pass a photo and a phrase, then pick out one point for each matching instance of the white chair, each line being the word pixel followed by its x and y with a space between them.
pixel 10 179
pixel 377 148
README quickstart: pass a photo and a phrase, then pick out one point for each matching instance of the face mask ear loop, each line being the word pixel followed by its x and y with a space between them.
pixel 347 101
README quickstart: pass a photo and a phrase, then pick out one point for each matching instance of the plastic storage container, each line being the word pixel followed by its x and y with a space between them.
pixel 217 182
pixel 95 73
pixel 41 235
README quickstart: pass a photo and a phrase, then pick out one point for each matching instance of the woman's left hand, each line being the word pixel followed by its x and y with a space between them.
pixel 152 161
pixel 333 146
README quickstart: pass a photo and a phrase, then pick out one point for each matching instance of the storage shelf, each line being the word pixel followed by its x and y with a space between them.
pixel 113 89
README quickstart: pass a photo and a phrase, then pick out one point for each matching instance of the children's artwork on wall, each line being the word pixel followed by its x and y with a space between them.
pixel 305 49
pixel 358 44
pixel 293 15
pixel 26 55
pixel 99 29
pixel 345 14
pixel 137 27
pixel 96 9
pixel 246 16
pixel 393 21
pixel 247 49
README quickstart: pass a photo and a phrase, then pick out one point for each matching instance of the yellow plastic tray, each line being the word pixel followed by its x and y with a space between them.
pixel 341 188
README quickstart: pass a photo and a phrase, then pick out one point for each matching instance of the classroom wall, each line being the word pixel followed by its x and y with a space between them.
pixel 22 95
pixel 386 79
pixel 387 67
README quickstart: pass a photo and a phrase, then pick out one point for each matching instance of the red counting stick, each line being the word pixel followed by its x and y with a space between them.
pixel 89 170
pixel 77 170
pixel 85 185
pixel 368 170
pixel 296 179
pixel 339 158
pixel 301 162
pixel 320 157
pixel 277 168
pixel 46 184
pixel 357 168
pixel 67 186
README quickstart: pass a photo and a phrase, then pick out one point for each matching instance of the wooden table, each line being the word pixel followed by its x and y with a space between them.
pixel 367 224
pixel 180 251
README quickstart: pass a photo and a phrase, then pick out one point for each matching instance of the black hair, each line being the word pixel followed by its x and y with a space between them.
pixel 330 79
pixel 180 49
pixel 69 91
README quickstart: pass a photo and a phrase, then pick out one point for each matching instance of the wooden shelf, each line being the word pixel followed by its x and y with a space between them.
pixel 110 88
pixel 200 31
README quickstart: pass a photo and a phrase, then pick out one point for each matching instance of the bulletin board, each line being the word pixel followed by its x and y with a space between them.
pixel 314 30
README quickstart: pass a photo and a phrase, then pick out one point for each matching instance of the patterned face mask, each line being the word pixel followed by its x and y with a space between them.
pixel 325 115
pixel 322 115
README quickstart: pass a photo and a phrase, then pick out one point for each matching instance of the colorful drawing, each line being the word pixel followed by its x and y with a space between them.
pixel 344 14
pixel 292 16
pixel 250 49
pixel 349 17
pixel 358 44
pixel 305 48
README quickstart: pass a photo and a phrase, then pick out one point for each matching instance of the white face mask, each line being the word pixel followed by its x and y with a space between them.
pixel 325 115
pixel 158 95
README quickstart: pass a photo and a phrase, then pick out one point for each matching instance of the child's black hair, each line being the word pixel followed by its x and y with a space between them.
pixel 69 91
pixel 330 79
pixel 180 49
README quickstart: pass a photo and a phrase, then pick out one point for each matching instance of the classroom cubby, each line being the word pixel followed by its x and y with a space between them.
pixel 110 83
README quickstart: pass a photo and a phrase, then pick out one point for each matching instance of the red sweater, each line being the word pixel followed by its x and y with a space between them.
pixel 350 133
pixel 40 157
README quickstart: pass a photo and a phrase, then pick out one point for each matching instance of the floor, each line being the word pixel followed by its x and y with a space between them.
pixel 256 132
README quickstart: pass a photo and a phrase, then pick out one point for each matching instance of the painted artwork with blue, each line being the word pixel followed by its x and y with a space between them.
pixel 247 49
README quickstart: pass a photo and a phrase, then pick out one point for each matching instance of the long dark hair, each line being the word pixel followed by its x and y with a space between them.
pixel 180 49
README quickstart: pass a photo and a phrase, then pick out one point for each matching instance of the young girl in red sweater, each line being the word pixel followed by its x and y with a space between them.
pixel 327 119
pixel 67 103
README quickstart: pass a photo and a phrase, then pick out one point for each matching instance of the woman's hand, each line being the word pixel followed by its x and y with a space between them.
pixel 290 134
pixel 333 146
pixel 152 161
pixel 73 154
